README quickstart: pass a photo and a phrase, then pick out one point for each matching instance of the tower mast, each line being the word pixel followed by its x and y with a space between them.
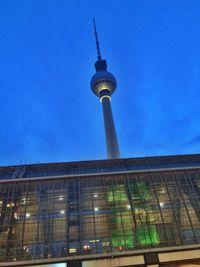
pixel 103 84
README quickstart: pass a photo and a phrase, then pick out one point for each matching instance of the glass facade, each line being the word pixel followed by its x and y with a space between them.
pixel 95 214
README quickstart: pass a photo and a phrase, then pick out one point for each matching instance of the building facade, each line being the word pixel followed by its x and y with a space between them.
pixel 120 212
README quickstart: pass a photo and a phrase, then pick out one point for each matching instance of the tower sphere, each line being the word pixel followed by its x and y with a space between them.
pixel 103 81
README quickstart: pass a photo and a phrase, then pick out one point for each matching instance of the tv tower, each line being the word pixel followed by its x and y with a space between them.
pixel 103 84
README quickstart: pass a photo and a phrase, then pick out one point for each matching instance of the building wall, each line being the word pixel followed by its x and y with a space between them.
pixel 54 218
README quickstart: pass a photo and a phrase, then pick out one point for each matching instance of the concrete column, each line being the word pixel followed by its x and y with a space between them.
pixel 111 136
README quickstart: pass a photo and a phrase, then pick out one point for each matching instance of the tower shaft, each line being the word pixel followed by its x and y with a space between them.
pixel 110 132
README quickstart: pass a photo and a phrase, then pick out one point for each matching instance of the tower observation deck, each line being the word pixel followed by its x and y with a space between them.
pixel 103 85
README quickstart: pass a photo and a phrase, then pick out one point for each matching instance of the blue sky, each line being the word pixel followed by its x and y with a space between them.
pixel 47 51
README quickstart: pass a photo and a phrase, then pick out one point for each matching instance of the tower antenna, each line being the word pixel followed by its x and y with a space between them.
pixel 97 40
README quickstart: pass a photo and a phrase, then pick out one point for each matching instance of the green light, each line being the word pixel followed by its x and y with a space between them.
pixel 142 235
pixel 139 191
pixel 120 240
pixel 117 193
pixel 148 235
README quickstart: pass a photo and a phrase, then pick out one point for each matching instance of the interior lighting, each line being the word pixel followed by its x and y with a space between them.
pixel 10 205
pixel 62 211
pixel 94 240
pixel 120 248
pixel 128 206
pixel 61 198
pixel 72 250
pixel 28 215
pixel 105 96
pixel 23 201
pixel 95 195
pixel 86 248
pixel 96 209
pixel 26 249
pixel 161 204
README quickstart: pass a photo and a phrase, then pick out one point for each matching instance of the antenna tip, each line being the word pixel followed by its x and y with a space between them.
pixel 94 23
pixel 97 40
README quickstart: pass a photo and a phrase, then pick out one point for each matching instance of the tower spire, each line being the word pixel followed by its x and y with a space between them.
pixel 97 41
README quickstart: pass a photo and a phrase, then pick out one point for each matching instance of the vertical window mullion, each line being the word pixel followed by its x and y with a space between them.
pixel 38 219
pixel 185 205
pixel 173 209
pixel 160 210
